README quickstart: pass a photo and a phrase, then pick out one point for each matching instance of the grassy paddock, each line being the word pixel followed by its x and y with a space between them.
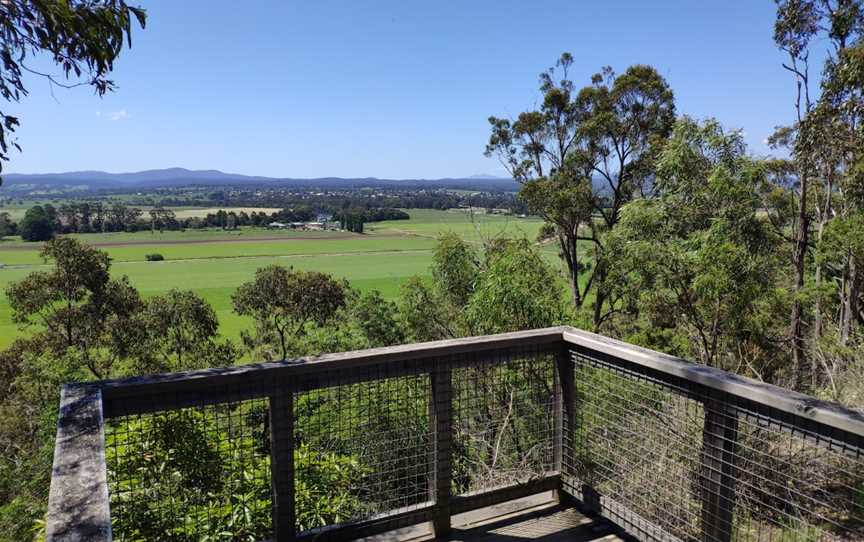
pixel 383 258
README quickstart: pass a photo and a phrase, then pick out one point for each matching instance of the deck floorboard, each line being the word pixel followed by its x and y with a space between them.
pixel 538 517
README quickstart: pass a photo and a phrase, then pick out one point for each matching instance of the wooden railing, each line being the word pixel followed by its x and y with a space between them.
pixel 662 448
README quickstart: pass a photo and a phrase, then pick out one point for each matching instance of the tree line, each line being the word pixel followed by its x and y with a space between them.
pixel 326 199
pixel 42 222
pixel 353 219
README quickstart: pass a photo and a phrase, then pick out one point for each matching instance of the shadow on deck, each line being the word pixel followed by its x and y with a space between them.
pixel 539 517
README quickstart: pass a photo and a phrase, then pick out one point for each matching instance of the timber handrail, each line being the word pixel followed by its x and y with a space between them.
pixel 824 412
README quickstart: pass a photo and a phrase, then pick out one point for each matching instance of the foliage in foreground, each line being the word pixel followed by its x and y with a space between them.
pixel 187 474
pixel 505 286
pixel 698 260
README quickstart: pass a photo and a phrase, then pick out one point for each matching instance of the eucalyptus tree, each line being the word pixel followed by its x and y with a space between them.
pixel 796 25
pixel 516 290
pixel 832 139
pixel 283 301
pixel 75 304
pixel 822 141
pixel 183 329
pixel 700 259
pixel 536 149
pixel 627 118
pixel 432 310
pixel 608 131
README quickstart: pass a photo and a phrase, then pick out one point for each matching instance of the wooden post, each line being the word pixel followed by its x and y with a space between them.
pixel 557 416
pixel 719 448
pixel 565 417
pixel 282 464
pixel 442 468
pixel 78 503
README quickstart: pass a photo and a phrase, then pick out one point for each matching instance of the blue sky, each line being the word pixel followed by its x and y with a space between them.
pixel 395 89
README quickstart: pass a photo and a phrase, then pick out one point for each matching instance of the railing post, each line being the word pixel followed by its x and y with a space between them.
pixel 78 502
pixel 719 448
pixel 564 414
pixel 282 464
pixel 441 420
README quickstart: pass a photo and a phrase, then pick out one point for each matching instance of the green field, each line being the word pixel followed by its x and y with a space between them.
pixel 213 263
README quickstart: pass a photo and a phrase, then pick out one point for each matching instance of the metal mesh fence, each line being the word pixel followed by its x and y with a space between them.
pixel 503 419
pixel 196 473
pixel 792 483
pixel 667 460
pixel 362 449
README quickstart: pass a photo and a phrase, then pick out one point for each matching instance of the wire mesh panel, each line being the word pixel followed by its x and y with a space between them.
pixel 793 483
pixel 635 451
pixel 200 473
pixel 669 460
pixel 503 419
pixel 362 449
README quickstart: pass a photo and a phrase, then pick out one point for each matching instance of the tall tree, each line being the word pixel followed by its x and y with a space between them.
pixel 36 225
pixel 76 305
pixel 83 38
pixel 796 25
pixel 819 142
pixel 534 149
pixel 626 120
pixel 282 301
pixel 699 258
pixel 611 130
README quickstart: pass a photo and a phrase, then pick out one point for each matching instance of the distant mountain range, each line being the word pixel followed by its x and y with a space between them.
pixel 176 177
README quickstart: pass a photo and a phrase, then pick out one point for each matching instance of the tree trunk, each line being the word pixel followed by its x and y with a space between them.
pixel 571 257
pixel 599 296
pixel 574 286
pixel 799 354
pixel 850 303
pixel 824 217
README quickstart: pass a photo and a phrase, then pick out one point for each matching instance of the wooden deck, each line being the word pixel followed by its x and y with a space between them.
pixel 539 517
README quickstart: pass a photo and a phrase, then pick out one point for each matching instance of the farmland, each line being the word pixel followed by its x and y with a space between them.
pixel 214 262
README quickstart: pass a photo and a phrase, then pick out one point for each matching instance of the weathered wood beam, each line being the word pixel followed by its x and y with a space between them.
pixel 78 506
pixel 804 407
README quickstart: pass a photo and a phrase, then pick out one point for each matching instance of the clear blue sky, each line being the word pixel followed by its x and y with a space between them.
pixel 395 89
